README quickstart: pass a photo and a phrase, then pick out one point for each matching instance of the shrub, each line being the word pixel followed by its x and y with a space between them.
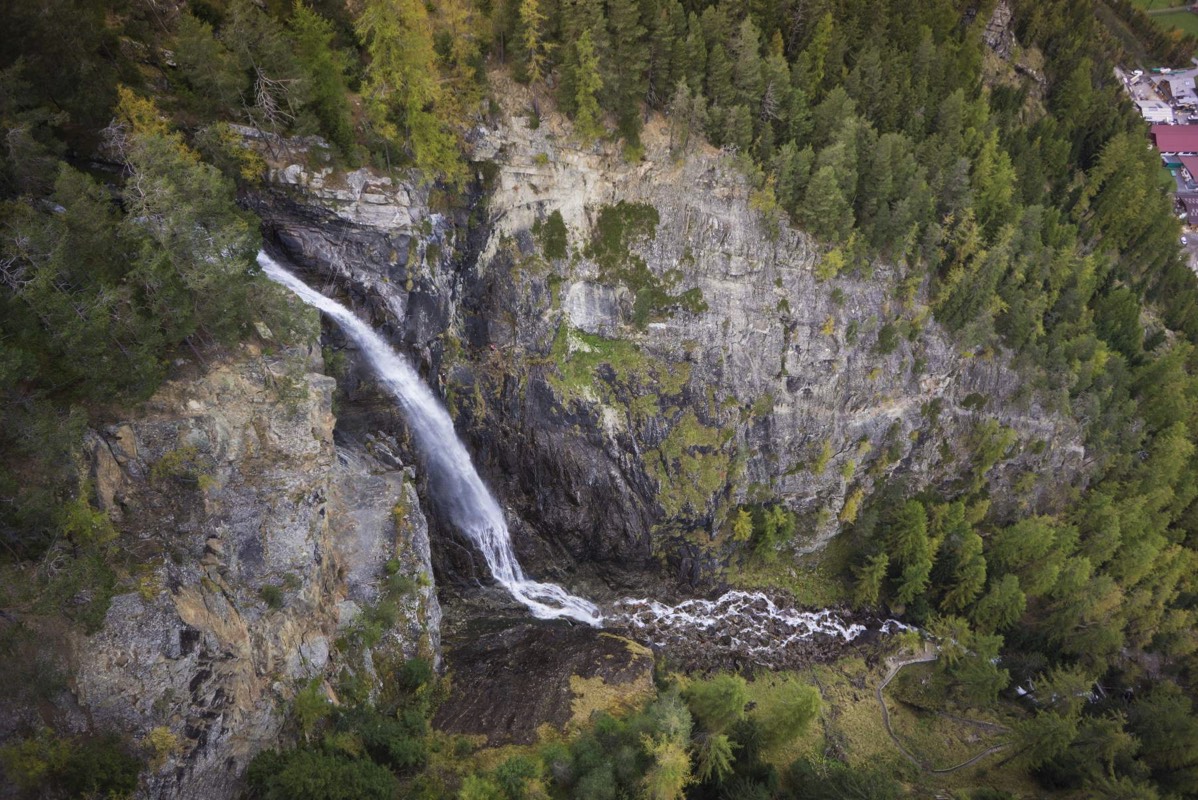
pixel 888 339
pixel 272 595
pixel 308 774
pixel 311 707
pixel 415 672
pixel 52 766
pixel 553 236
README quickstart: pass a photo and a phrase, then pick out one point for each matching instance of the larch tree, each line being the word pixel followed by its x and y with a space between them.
pixel 588 84
pixel 533 47
pixel 402 88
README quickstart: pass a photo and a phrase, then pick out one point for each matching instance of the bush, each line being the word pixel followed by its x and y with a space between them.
pixel 416 672
pixel 51 766
pixel 272 595
pixel 888 339
pixel 308 774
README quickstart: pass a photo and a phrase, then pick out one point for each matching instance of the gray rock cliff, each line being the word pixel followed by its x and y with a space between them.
pixel 260 540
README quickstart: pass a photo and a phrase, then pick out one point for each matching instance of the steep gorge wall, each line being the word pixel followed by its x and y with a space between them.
pixel 623 404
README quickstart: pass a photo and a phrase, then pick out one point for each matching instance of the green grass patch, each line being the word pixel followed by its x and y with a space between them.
pixel 617 230
pixel 691 465
pixel 850 725
pixel 590 366
pixel 1178 20
pixel 937 737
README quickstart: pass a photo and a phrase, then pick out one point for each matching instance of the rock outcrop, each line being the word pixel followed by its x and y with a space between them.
pixel 260 540
pixel 510 682
pixel 999 34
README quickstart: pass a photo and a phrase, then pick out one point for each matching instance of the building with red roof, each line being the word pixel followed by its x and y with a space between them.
pixel 1173 139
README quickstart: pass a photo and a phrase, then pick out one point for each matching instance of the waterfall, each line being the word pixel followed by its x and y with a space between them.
pixel 748 623
pixel 456 485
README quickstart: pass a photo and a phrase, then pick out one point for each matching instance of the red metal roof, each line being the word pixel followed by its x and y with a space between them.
pixel 1176 138
pixel 1191 164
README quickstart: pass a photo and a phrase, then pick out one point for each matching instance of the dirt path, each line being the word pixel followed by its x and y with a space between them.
pixel 923 658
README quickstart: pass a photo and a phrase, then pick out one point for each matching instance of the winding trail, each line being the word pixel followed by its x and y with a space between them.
pixel 894 670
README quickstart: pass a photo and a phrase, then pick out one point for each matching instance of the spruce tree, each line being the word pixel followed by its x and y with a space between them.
pixel 625 78
pixel 325 68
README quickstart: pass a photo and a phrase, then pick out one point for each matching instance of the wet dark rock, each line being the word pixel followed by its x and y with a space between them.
pixel 508 681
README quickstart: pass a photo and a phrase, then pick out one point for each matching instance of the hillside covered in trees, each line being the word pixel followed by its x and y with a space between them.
pixel 1015 192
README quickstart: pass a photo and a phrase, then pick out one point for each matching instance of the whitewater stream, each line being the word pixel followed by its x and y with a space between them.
pixel 749 623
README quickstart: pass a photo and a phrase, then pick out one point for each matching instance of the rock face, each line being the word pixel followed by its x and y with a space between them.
pixel 680 355
pixel 510 682
pixel 999 35
pixel 261 541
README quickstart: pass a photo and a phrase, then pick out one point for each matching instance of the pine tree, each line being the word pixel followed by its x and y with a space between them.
pixel 993 185
pixel 748 77
pixel 1001 607
pixel 776 90
pixel 825 211
pixel 811 67
pixel 695 62
pixel 870 577
pixel 278 88
pixel 579 16
pixel 969 575
pixel 792 168
pixel 911 549
pixel 208 68
pixel 667 39
pixel 798 121
pixel 719 78
pixel 738 128
pixel 1029 550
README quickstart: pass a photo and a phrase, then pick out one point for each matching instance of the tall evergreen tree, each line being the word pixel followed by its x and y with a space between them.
pixel 325 68
pixel 748 77
pixel 625 75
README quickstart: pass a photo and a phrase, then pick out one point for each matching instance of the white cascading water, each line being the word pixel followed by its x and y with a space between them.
pixel 746 624
pixel 458 487
pixel 749 623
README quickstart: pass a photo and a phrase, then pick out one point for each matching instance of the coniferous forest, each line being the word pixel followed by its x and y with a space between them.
pixel 1019 197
